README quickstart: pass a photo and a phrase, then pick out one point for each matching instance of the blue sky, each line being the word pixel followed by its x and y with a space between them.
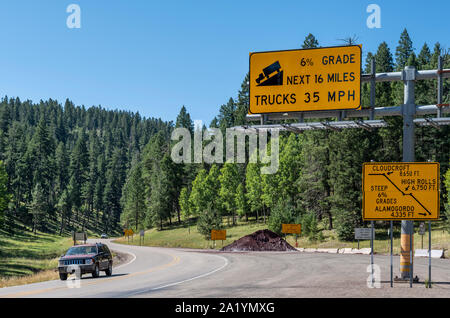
pixel 155 56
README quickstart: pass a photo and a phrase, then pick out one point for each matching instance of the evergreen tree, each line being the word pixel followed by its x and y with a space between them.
pixel 159 206
pixel 447 204
pixel 185 206
pixel 402 54
pixel 62 168
pixel 242 103
pixel 253 182
pixel 38 208
pixel 5 197
pixel 227 115
pixel 212 188
pixel 290 168
pixel 403 50
pixel 113 189
pixel 64 208
pixel 314 180
pixel 349 149
pixel 197 198
pixel 241 201
pixel 133 198
pixel 41 161
pixel 310 42
pixel 229 181
pixel 184 120
pixel 208 220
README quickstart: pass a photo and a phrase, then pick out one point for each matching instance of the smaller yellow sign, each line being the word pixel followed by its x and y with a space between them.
pixel 128 232
pixel 401 191
pixel 218 235
pixel 291 228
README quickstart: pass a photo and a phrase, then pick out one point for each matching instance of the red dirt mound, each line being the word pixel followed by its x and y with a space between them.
pixel 262 240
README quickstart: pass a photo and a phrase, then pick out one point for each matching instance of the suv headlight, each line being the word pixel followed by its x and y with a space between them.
pixel 61 263
pixel 88 261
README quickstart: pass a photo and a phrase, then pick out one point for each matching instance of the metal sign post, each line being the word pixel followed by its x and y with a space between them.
pixel 371 249
pixel 422 231
pixel 429 253
pixel 392 244
pixel 411 275
pixel 142 235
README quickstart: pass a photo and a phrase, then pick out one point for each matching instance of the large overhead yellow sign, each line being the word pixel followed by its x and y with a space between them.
pixel 305 80
pixel 401 191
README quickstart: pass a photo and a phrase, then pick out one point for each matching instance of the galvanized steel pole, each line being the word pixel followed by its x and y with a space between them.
pixel 392 250
pixel 408 112
pixel 439 87
pixel 429 253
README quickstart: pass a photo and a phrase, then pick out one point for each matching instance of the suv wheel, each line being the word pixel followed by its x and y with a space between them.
pixel 96 271
pixel 108 272
pixel 63 276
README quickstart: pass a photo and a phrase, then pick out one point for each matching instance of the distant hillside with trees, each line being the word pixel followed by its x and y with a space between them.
pixel 65 163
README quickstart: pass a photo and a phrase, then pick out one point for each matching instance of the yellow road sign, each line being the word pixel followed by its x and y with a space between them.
pixel 305 80
pixel 128 232
pixel 291 228
pixel 218 235
pixel 401 191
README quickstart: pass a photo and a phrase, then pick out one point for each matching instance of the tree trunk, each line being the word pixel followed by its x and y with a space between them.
pixel 330 221
pixel 264 211
pixel 62 225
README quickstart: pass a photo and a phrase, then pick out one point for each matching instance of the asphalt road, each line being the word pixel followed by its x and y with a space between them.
pixel 174 273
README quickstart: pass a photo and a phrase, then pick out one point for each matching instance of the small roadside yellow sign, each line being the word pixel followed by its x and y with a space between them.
pixel 218 235
pixel 128 232
pixel 401 191
pixel 291 228
pixel 305 80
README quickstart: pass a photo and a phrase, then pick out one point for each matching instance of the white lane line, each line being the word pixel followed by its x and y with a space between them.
pixel 134 258
pixel 183 281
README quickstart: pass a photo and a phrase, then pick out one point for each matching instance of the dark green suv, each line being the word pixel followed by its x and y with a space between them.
pixel 87 258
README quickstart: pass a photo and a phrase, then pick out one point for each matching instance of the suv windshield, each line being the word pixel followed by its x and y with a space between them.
pixel 82 250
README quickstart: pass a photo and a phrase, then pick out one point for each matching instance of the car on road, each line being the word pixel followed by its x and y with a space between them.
pixel 88 258
pixel 104 236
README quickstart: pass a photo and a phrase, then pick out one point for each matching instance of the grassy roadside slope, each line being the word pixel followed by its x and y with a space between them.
pixel 180 236
pixel 27 258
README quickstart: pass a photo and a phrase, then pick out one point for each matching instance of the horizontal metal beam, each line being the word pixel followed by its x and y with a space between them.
pixel 334 125
pixel 435 122
pixel 378 111
pixel 398 76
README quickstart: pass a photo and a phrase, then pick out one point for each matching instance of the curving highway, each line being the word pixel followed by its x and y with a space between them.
pixel 150 269
pixel 184 273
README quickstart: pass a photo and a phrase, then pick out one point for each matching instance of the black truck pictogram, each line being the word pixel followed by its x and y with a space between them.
pixel 275 79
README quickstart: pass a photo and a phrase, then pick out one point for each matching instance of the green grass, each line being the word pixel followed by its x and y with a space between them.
pixel 179 236
pixel 24 253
